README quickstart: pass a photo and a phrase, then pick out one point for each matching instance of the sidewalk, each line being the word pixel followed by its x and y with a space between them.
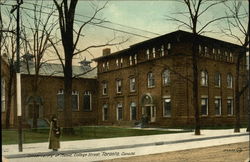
pixel 176 141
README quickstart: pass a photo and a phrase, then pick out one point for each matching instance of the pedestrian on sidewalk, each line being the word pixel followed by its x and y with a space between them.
pixel 54 134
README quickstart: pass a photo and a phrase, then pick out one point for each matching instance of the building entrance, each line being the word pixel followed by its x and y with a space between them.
pixel 148 107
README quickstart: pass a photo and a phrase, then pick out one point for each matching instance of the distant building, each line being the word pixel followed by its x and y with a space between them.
pixel 153 78
pixel 49 99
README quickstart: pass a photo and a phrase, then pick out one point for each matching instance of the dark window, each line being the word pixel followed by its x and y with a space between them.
pixel 104 88
pixel 60 99
pixel 229 81
pixel 87 104
pixel 167 107
pixel 166 77
pixel 118 86
pixel 119 112
pixel 204 106
pixel 217 79
pixel 229 106
pixel 133 111
pixel 105 112
pixel 75 104
pixel 74 100
pixel 151 80
pixel 217 103
pixel 132 84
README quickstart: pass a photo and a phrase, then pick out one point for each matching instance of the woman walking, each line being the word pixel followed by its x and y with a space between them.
pixel 54 134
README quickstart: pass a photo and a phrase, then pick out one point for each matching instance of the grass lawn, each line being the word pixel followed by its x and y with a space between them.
pixel 81 133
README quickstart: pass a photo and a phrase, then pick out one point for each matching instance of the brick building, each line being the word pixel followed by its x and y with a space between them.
pixel 50 99
pixel 153 78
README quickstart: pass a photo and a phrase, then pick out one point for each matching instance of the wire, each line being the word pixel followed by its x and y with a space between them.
pixel 105 21
pixel 101 26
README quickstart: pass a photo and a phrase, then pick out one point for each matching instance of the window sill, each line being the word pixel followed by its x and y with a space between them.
pixel 204 85
pixel 151 87
pixel 167 116
pixel 217 86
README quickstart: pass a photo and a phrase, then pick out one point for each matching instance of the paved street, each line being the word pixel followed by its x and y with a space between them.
pixel 104 149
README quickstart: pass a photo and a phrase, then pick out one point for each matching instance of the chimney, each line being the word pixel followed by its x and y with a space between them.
pixel 106 51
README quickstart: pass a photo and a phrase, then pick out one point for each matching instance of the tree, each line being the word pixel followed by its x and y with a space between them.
pixel 8 48
pixel 36 43
pixel 195 10
pixel 70 38
pixel 238 29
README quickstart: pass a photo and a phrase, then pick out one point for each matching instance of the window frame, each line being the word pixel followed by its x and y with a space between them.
pixel 105 106
pixel 153 52
pixel 166 75
pixel 151 80
pixel 217 79
pixel 133 105
pixel 131 84
pixel 135 58
pixel 169 46
pixel 232 106
pixel 164 111
pixel 76 93
pixel 148 54
pixel 130 61
pixel 162 50
pixel 118 86
pixel 218 98
pixel 119 107
pixel 90 100
pixel 204 79
pixel 207 104
pixel 229 83
pixel 104 87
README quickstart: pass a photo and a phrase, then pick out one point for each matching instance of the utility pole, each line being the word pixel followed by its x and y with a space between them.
pixel 18 75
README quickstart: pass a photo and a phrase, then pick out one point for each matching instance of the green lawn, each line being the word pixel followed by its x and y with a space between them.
pixel 81 133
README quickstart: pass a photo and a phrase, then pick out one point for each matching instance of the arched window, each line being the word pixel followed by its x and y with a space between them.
pixel 229 81
pixel 204 78
pixel 151 80
pixel 217 80
pixel 166 77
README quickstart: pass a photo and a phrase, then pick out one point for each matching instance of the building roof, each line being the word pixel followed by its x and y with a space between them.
pixel 52 69
pixel 175 36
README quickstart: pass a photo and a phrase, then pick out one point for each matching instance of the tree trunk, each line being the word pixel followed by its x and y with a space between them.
pixel 35 88
pixel 9 101
pixel 67 125
pixel 195 85
pixel 237 97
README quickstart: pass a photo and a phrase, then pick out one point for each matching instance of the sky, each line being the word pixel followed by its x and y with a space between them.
pixel 143 19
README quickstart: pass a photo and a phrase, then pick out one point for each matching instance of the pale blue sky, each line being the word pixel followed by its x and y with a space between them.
pixel 145 15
